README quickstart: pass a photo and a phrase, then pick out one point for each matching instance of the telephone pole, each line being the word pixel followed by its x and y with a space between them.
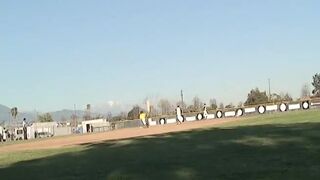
pixel 182 103
pixel 75 120
pixel 269 82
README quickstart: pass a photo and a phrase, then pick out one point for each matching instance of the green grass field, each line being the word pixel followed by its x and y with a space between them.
pixel 278 146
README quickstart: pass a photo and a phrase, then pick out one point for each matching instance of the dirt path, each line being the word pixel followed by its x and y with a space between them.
pixel 70 141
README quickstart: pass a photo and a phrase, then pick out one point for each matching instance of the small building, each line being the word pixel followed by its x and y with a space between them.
pixel 41 130
pixel 96 125
pixel 47 129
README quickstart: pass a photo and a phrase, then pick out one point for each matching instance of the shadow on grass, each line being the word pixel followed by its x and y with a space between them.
pixel 254 152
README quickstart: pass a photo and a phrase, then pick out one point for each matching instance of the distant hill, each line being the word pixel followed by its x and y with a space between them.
pixel 31 116
pixel 66 114
pixel 4 113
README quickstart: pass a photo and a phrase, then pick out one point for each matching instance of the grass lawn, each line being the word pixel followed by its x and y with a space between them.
pixel 278 146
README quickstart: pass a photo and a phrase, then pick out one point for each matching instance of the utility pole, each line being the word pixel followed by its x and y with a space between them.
pixel 75 116
pixel 88 112
pixel 182 103
pixel 269 82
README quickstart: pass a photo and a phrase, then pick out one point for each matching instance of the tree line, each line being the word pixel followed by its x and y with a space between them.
pixel 165 107
pixel 254 97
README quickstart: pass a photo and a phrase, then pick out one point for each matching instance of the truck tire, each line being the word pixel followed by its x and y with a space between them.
pixel 283 107
pixel 200 116
pixel 162 121
pixel 261 109
pixel 219 114
pixel 305 105
pixel 239 112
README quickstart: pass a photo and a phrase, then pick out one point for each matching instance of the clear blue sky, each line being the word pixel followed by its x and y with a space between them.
pixel 57 53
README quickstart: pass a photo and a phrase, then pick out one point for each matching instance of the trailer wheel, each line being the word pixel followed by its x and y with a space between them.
pixel 219 114
pixel 162 121
pixel 283 107
pixel 305 105
pixel 261 109
pixel 239 112
pixel 199 116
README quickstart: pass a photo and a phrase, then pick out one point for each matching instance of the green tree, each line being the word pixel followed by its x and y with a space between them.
pixel 316 85
pixel 45 118
pixel 256 97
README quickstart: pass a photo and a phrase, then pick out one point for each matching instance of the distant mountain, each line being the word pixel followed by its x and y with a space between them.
pixel 32 116
pixel 66 114
pixel 4 113
pixel 62 115
pixel 58 116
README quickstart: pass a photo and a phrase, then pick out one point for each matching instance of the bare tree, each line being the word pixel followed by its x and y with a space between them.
pixel 229 106
pixel 305 91
pixel 221 106
pixel 213 104
pixel 123 115
pixel 286 97
pixel 165 106
pixel 275 98
pixel 74 121
pixel 109 116
pixel 196 103
pixel 153 111
pixel 183 105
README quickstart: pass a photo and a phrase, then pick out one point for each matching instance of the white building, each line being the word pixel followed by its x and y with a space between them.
pixel 41 129
pixel 97 125
pixel 47 129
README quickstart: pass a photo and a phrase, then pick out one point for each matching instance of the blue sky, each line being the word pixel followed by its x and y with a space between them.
pixel 57 53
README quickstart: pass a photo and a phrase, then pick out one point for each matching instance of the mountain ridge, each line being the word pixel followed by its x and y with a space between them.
pixel 61 115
